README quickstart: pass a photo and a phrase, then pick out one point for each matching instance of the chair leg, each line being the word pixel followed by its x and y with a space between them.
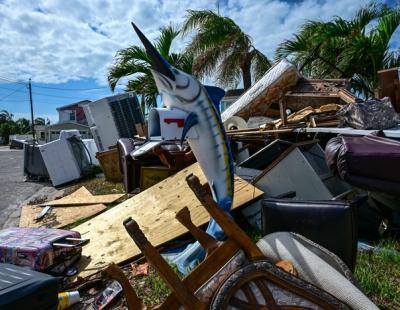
pixel 182 293
pixel 133 301
pixel 206 241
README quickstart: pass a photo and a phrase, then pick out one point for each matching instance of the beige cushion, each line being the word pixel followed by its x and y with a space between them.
pixel 312 266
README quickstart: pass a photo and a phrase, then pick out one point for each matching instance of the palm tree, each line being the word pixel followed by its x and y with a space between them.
pixel 220 47
pixel 39 121
pixel 340 48
pixel 134 61
pixel 24 125
pixel 5 116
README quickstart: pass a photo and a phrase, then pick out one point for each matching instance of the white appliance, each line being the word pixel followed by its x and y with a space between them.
pixel 92 149
pixel 164 124
pixel 112 118
pixel 66 159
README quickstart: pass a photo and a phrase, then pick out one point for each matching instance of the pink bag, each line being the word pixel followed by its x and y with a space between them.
pixel 39 248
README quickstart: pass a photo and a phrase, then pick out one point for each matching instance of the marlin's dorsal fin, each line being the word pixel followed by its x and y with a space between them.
pixel 215 94
pixel 190 121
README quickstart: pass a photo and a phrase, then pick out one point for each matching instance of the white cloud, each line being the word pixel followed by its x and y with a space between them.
pixel 54 41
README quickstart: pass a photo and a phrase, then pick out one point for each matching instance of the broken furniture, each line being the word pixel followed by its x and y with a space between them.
pixel 329 223
pixel 109 164
pixel 325 115
pixel 169 155
pixel 234 273
pixel 154 209
pixel 316 93
pixel 389 86
pixel 317 266
pixel 306 99
pixel 43 249
pixel 67 159
pixel 34 167
pixel 22 288
pixel 369 162
pixel 283 167
pixel 280 167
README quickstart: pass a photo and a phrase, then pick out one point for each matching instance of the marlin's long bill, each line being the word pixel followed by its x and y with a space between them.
pixel 158 62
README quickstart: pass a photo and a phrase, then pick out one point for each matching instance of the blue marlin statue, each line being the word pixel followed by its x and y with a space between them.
pixel 182 91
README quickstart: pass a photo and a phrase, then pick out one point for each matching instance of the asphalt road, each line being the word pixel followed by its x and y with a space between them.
pixel 13 189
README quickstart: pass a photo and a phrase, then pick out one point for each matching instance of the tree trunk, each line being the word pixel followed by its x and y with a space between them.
pixel 246 74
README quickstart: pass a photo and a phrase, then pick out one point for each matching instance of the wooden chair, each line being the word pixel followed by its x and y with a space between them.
pixel 234 273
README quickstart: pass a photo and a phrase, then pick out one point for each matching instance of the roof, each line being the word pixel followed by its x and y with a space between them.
pixel 66 123
pixel 72 104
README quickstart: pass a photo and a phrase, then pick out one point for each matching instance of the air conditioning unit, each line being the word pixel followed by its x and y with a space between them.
pixel 66 159
pixel 112 118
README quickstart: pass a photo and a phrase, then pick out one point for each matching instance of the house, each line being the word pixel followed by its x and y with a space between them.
pixel 73 113
pixel 70 116
pixel 230 97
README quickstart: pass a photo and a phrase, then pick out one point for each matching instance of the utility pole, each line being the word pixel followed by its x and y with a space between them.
pixel 32 121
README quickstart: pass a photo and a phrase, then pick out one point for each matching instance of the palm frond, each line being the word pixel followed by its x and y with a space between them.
pixel 259 64
pixel 164 41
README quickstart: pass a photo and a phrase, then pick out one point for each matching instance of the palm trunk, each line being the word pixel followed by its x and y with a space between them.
pixel 246 74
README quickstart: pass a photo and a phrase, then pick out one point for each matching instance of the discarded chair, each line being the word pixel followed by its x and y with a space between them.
pixel 235 273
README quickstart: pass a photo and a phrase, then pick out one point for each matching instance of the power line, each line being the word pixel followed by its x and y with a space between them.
pixel 70 89
pixel 42 94
pixel 10 81
pixel 57 96
pixel 11 93
pixel 11 88
pixel 16 100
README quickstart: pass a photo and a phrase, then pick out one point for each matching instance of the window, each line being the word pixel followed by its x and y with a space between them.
pixel 42 135
pixel 72 116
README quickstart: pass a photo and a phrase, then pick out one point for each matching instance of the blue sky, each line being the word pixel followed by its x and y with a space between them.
pixel 68 45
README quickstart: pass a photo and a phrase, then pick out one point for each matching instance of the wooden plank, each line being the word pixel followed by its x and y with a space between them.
pixel 83 197
pixel 57 217
pixel 154 210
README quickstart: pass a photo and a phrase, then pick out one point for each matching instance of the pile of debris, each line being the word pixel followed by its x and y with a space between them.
pixel 321 190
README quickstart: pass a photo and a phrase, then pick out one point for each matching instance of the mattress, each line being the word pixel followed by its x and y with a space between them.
pixel 270 88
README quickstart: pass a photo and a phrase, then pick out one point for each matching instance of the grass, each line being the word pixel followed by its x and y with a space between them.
pixel 379 275
pixel 97 186
pixel 151 288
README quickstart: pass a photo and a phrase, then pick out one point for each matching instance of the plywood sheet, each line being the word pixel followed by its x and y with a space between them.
pixel 83 197
pixel 154 210
pixel 57 217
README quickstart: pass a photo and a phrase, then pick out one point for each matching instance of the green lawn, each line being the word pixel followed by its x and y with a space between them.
pixel 379 275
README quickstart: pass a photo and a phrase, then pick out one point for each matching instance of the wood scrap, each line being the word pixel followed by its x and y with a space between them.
pixel 58 217
pixel 154 210
pixel 83 197
pixel 140 269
